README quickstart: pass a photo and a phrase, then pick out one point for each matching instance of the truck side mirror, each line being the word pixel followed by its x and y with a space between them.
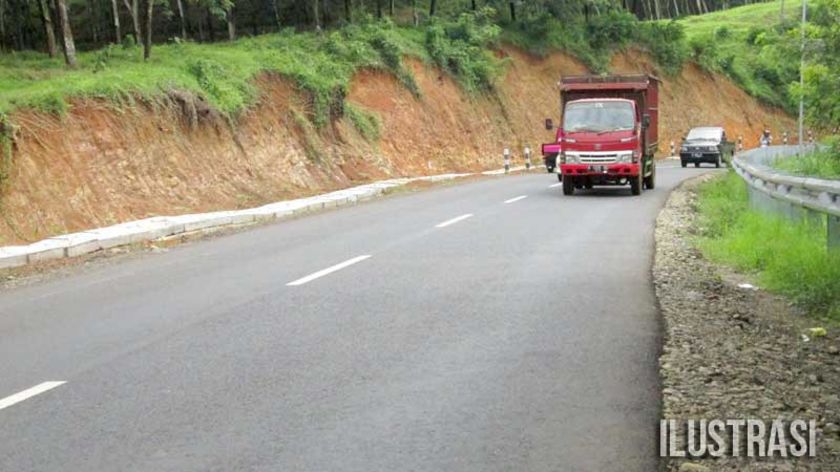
pixel 645 120
pixel 549 124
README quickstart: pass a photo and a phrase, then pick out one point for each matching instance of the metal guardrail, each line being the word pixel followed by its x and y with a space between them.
pixel 793 196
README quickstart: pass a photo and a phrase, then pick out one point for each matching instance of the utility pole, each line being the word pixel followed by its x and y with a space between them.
pixel 802 78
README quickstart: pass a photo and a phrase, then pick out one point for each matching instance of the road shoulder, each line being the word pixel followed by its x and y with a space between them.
pixel 737 353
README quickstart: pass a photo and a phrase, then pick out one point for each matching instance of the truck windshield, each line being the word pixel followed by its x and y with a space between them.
pixel 704 134
pixel 599 117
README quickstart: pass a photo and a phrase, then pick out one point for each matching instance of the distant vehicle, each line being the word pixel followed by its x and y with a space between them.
pixel 609 132
pixel 706 144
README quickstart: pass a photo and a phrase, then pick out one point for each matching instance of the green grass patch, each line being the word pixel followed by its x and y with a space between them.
pixel 788 257
pixel 367 123
pixel 321 64
pixel 825 162
pixel 751 44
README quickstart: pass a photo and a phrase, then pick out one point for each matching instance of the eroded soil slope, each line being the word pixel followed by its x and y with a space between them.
pixel 100 165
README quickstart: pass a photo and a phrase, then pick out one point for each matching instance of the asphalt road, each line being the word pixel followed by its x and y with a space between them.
pixel 521 338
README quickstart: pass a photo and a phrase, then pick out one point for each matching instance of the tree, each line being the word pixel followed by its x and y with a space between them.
pixel 116 14
pixel 147 38
pixel 49 30
pixel 133 8
pixel 183 20
pixel 66 33
pixel 432 7
pixel 230 17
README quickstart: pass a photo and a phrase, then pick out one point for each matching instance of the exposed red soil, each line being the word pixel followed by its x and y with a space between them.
pixel 100 165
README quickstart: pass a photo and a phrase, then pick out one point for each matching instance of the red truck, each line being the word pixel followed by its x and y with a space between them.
pixel 609 132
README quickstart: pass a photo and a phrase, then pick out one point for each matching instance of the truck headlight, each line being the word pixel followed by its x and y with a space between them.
pixel 624 157
pixel 572 158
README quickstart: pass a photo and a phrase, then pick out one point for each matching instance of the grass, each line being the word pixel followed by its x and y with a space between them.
pixel 752 45
pixel 222 73
pixel 367 123
pixel 788 257
pixel 824 163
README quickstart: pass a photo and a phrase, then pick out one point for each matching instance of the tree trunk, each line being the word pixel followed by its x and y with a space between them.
pixel 676 9
pixel 277 13
pixel 231 24
pixel 512 11
pixel 317 15
pixel 347 14
pixel 474 6
pixel 432 8
pixel 134 12
pixel 116 12
pixel 211 32
pixel 182 18
pixel 414 18
pixel 147 38
pixel 2 25
pixel 657 9
pixel 391 8
pixel 379 9
pixel 66 33
pixel 48 28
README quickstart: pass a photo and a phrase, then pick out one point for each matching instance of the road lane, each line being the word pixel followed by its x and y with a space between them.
pixel 525 340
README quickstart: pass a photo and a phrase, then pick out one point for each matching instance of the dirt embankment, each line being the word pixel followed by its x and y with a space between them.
pixel 100 165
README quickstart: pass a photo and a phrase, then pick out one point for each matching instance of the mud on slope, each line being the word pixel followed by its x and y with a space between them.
pixel 101 165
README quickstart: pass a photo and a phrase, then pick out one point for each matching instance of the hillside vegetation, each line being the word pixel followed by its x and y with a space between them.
pixel 740 42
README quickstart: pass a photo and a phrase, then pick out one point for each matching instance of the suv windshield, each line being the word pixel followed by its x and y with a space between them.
pixel 599 116
pixel 704 134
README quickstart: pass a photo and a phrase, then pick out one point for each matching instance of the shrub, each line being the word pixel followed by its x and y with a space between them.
pixel 460 48
pixel 666 42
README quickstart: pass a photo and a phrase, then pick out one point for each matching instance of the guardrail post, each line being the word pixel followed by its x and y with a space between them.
pixel 527 157
pixel 506 155
pixel 740 143
pixel 833 235
pixel 673 149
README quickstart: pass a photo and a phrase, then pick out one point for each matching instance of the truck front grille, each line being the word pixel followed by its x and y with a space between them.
pixel 598 159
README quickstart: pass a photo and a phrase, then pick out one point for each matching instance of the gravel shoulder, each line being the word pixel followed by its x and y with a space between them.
pixel 738 353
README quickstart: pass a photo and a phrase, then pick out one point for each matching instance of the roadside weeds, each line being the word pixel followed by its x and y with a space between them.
pixel 735 352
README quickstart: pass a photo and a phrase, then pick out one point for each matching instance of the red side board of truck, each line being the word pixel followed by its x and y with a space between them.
pixel 608 133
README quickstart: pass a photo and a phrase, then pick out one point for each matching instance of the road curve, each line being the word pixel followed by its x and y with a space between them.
pixel 461 328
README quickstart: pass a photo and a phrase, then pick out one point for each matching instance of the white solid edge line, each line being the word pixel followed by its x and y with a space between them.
pixel 327 271
pixel 555 185
pixel 516 199
pixel 29 393
pixel 453 220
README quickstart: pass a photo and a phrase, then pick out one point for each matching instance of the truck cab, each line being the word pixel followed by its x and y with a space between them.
pixel 608 133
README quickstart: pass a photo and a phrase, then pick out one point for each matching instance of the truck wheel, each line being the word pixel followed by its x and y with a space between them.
pixel 636 185
pixel 549 169
pixel 650 181
pixel 560 177
pixel 684 164
pixel 717 162
pixel 568 185
pixel 696 164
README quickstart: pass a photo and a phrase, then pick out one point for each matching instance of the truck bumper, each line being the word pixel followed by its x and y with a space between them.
pixel 692 157
pixel 601 171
